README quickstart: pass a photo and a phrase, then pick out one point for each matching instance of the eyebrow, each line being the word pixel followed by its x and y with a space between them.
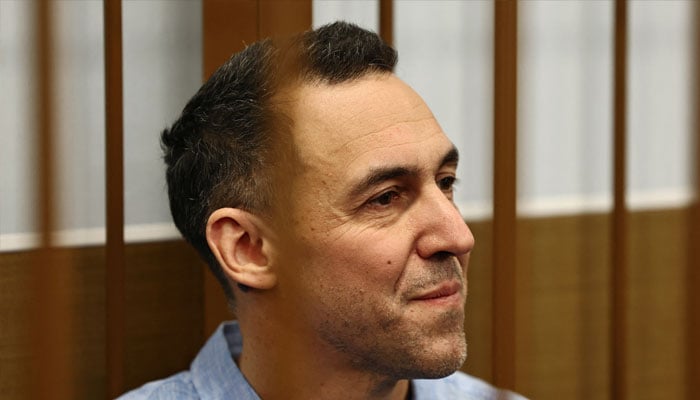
pixel 451 157
pixel 382 174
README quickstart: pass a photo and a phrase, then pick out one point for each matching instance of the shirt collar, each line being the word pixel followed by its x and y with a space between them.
pixel 214 371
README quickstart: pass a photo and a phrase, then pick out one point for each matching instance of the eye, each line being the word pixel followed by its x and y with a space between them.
pixel 384 199
pixel 447 183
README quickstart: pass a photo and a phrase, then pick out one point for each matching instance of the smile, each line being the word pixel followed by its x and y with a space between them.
pixel 446 293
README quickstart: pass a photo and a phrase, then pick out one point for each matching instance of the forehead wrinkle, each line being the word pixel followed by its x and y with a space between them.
pixel 396 109
pixel 388 147
pixel 398 127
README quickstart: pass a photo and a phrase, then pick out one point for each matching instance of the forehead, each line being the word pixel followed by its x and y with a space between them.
pixel 375 119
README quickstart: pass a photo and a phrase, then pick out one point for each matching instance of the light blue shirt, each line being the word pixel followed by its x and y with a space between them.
pixel 214 375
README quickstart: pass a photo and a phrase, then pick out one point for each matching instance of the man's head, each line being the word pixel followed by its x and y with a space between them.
pixel 354 239
pixel 221 151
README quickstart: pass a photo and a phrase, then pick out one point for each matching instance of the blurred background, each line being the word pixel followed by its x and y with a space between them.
pixel 584 281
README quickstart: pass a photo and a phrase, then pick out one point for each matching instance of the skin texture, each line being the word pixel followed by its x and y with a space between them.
pixel 362 285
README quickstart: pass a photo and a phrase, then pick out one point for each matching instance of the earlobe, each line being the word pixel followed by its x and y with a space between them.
pixel 237 239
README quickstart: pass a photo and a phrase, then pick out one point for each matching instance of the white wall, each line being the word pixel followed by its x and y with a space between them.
pixel 566 99
pixel 162 69
pixel 17 124
pixel 660 102
pixel 80 115
pixel 361 12
pixel 445 52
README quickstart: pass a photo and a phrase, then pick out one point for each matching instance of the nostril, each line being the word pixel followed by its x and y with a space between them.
pixel 442 256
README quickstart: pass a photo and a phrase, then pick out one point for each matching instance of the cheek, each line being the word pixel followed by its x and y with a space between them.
pixel 365 260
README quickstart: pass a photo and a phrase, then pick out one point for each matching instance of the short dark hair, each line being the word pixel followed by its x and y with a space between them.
pixel 218 151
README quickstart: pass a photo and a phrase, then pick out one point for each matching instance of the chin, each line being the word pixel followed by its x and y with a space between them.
pixel 447 362
pixel 440 358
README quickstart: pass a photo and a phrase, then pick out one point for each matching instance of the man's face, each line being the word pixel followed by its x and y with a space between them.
pixel 379 271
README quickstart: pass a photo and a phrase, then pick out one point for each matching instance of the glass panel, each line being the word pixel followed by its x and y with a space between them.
pixel 565 107
pixel 446 54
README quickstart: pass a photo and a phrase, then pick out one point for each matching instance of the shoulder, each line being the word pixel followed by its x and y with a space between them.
pixel 460 386
pixel 176 387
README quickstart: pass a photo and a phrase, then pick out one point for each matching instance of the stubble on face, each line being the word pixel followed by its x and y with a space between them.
pixel 360 308
pixel 399 345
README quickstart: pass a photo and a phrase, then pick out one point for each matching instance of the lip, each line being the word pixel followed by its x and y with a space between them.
pixel 447 292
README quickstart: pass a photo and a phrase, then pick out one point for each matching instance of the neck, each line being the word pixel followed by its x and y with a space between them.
pixel 296 366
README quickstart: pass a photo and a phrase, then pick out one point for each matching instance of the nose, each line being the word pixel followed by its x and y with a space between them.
pixel 440 227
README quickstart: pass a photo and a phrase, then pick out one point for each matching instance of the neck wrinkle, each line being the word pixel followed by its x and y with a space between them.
pixel 285 367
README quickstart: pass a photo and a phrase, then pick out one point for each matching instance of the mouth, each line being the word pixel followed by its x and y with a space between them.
pixel 445 293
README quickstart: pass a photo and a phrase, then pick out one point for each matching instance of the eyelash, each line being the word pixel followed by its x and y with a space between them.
pixel 447 183
pixel 387 197
pixel 391 195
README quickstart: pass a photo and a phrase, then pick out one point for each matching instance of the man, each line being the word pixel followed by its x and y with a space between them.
pixel 319 188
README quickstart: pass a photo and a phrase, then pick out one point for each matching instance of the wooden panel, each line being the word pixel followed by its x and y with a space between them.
pixel 569 301
pixel 83 302
pixel 504 220
pixel 568 345
pixel 164 331
pixel 164 306
pixel 16 325
pixel 478 319
pixel 114 197
pixel 656 298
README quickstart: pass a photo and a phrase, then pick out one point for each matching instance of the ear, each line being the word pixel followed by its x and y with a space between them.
pixel 236 238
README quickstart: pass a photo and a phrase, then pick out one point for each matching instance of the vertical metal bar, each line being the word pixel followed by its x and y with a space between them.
pixel 504 192
pixel 228 25
pixel 114 195
pixel 283 17
pixel 52 368
pixel 386 21
pixel 45 183
pixel 46 142
pixel 693 273
pixel 619 225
